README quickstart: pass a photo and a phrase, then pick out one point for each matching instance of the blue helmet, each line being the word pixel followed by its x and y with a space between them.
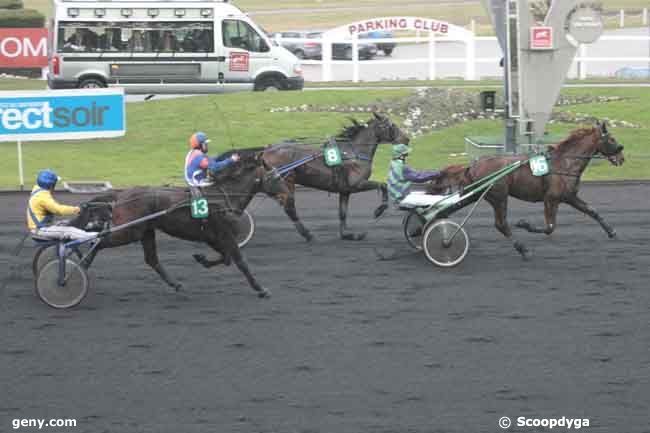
pixel 47 179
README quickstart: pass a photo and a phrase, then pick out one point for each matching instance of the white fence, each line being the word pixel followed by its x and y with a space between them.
pixel 474 57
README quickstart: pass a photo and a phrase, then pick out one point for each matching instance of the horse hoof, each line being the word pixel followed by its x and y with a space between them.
pixel 523 224
pixel 177 286
pixel 360 236
pixel 380 210
pixel 309 238
pixel 264 294
pixel 612 234
pixel 200 258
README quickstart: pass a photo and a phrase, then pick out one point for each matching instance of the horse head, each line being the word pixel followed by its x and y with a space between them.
pixel 386 131
pixel 608 146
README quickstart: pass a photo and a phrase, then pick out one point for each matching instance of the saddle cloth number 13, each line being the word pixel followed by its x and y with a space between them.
pixel 200 209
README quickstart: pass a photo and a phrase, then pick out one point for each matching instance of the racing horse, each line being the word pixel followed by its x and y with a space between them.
pixel 234 188
pixel 567 162
pixel 358 144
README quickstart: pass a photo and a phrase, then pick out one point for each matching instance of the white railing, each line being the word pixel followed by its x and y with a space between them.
pixel 468 59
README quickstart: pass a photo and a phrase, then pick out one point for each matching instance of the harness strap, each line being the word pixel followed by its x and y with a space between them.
pixel 38 223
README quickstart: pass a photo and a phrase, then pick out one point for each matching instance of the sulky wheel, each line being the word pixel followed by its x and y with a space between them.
pixel 245 229
pixel 439 246
pixel 67 295
pixel 47 253
pixel 413 226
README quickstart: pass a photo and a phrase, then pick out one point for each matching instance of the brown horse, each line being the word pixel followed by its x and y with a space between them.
pixel 358 144
pixel 567 161
pixel 234 188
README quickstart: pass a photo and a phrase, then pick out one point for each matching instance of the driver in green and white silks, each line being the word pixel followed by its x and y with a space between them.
pixel 401 178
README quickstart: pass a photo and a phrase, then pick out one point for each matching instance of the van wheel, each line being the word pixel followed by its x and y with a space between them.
pixel 91 83
pixel 388 51
pixel 269 85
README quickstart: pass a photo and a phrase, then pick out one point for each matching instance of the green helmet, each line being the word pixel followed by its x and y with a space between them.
pixel 400 150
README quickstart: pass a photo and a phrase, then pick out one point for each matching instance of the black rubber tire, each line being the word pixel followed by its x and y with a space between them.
pixel 68 295
pixel 92 83
pixel 269 85
pixel 411 223
pixel 388 51
pixel 445 256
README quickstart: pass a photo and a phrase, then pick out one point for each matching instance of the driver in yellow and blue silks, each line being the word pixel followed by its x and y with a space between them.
pixel 42 208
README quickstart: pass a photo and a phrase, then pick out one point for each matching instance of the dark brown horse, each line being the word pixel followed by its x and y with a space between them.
pixel 567 161
pixel 358 144
pixel 234 188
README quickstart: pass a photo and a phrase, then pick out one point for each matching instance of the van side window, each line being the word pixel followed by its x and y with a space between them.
pixel 136 37
pixel 239 34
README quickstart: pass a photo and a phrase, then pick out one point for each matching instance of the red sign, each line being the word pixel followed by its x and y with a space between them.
pixel 23 48
pixel 239 62
pixel 541 38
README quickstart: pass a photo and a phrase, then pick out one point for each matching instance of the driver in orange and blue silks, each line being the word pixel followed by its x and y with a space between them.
pixel 198 163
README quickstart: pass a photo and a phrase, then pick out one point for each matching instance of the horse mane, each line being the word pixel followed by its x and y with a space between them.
pixel 568 142
pixel 351 131
pixel 241 152
pixel 233 171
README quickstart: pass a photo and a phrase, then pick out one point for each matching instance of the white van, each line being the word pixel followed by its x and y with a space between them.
pixel 164 47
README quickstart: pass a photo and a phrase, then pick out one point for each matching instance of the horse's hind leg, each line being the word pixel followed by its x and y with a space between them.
pixel 579 204
pixel 550 214
pixel 151 258
pixel 344 200
pixel 500 206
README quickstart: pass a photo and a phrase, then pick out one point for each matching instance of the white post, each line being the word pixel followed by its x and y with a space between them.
pixel 582 65
pixel 355 58
pixel 432 56
pixel 472 26
pixel 20 166
pixel 44 72
pixel 622 23
pixel 327 59
pixel 470 57
pixel 645 16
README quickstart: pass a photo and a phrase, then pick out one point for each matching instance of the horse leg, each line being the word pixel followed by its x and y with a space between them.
pixel 579 204
pixel 202 260
pixel 550 214
pixel 384 200
pixel 344 200
pixel 226 245
pixel 290 209
pixel 151 258
pixel 500 206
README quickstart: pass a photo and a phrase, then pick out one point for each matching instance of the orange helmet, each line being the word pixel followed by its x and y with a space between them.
pixel 199 140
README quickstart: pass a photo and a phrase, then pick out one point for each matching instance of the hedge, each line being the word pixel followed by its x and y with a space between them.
pixel 11 4
pixel 21 18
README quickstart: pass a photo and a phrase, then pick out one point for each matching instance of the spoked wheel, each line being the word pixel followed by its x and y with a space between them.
pixel 71 293
pixel 245 229
pixel 46 254
pixel 439 246
pixel 413 225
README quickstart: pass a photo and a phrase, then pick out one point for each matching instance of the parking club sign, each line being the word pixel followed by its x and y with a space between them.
pixel 541 38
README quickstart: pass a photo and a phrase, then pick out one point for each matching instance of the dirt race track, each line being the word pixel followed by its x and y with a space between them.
pixel 346 343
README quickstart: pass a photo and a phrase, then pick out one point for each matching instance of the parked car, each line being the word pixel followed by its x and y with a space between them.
pixel 300 49
pixel 629 73
pixel 386 47
pixel 343 51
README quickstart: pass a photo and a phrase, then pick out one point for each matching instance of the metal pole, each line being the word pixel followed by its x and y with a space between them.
pixel 622 23
pixel 432 56
pixel 355 58
pixel 20 166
